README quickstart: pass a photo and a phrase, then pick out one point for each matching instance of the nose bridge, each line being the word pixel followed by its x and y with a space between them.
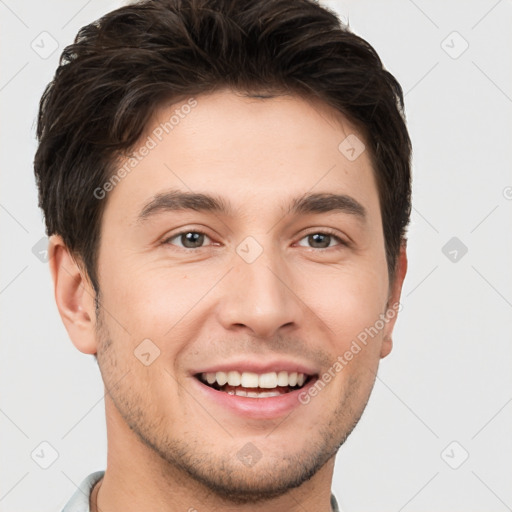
pixel 258 294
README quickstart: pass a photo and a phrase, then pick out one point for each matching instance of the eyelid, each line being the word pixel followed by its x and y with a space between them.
pixel 326 231
pixel 167 238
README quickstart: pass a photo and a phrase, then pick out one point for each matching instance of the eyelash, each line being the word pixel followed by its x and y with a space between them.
pixel 326 231
pixel 330 233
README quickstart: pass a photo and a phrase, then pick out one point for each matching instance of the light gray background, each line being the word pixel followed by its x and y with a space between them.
pixel 448 377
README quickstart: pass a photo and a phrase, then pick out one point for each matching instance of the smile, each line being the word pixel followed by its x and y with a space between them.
pixel 254 385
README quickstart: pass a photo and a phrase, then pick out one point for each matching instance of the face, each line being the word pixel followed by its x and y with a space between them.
pixel 240 259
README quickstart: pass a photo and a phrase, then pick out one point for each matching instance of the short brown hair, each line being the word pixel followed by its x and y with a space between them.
pixel 127 64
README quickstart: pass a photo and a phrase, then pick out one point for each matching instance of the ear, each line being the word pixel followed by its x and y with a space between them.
pixel 394 301
pixel 74 296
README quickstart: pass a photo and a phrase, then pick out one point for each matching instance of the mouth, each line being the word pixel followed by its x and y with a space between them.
pixel 255 385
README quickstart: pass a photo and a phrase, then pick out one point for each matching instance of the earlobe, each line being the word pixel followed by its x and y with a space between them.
pixel 74 296
pixel 387 345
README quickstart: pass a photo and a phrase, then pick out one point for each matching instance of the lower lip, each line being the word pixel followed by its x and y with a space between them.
pixel 258 408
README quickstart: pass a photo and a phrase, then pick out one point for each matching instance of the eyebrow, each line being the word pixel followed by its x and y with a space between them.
pixel 177 200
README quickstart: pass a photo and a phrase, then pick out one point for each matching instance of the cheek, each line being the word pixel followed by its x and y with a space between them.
pixel 152 299
pixel 348 300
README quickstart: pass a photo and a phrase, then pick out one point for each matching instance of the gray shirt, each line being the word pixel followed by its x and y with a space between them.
pixel 79 502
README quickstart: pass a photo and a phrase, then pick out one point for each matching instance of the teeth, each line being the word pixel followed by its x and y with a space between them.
pixel 254 394
pixel 233 378
pixel 249 380
pixel 282 379
pixel 266 394
pixel 221 378
pixel 269 380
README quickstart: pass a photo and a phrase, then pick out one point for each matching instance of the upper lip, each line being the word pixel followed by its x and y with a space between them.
pixel 258 367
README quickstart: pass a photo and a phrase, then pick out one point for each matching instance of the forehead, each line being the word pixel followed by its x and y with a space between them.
pixel 257 152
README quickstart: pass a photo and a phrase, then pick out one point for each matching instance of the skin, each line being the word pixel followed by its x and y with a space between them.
pixel 169 448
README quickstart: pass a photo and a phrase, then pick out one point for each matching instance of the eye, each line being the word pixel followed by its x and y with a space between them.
pixel 196 239
pixel 323 239
pixel 188 239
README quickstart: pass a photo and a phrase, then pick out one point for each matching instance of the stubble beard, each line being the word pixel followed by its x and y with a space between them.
pixel 224 474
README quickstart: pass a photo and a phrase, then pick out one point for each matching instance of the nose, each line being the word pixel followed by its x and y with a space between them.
pixel 259 297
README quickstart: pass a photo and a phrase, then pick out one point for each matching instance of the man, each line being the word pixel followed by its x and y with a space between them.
pixel 227 189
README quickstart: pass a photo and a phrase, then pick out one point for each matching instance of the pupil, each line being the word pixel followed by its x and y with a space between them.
pixel 317 238
pixel 195 239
